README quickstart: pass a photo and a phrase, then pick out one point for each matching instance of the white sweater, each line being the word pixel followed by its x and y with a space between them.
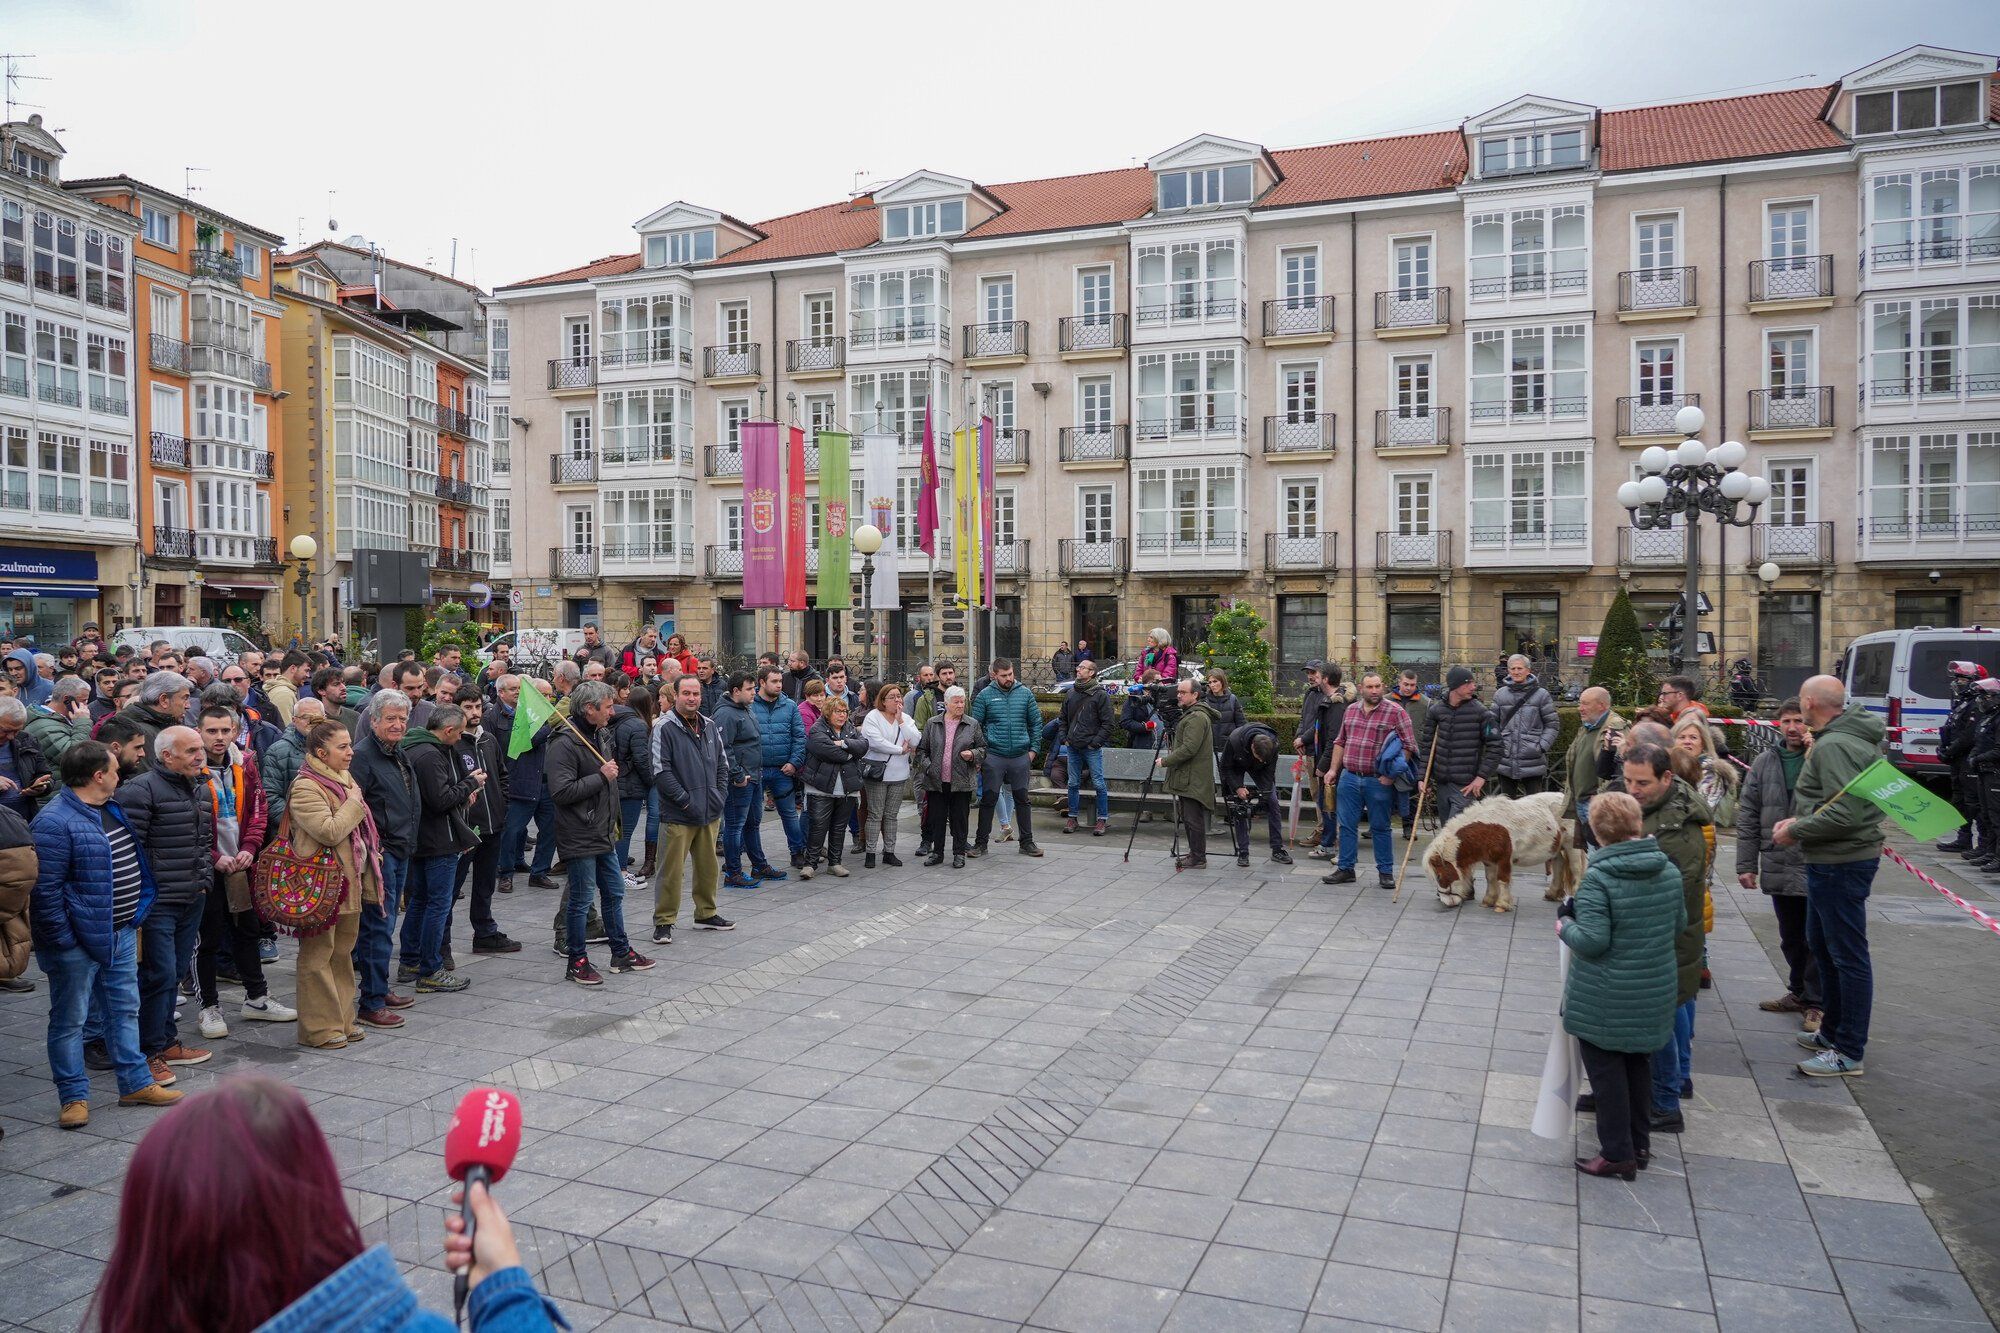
pixel 886 740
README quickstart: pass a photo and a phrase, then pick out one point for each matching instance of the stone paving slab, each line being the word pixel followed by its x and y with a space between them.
pixel 1073 1094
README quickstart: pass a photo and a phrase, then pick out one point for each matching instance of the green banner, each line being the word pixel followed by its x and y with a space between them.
pixel 1905 800
pixel 531 713
pixel 834 591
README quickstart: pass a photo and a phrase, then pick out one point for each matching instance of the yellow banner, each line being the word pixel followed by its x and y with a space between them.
pixel 965 498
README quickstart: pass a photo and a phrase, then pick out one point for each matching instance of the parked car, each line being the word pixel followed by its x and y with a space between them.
pixel 221 646
pixel 1119 674
pixel 533 649
pixel 1899 675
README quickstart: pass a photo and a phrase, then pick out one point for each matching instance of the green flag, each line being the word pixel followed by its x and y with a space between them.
pixel 1905 800
pixel 836 454
pixel 531 713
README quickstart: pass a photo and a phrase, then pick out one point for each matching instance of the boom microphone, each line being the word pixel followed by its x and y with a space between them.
pixel 485 1134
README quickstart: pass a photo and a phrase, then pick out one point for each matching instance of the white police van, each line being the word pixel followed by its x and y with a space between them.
pixel 1900 676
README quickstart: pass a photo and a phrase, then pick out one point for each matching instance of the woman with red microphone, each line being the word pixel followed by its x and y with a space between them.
pixel 248 1159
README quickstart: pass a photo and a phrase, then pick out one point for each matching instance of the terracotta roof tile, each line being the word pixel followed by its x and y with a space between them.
pixel 1763 125
pixel 1060 202
pixel 847 225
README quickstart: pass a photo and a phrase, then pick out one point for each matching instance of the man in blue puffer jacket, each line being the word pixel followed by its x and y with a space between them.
pixel 92 889
pixel 783 733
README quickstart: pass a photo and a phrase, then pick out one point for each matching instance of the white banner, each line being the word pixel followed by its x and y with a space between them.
pixel 879 506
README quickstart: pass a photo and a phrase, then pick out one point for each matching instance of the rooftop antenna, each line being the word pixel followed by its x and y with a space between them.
pixel 453 271
pixel 332 226
pixel 14 78
pixel 187 179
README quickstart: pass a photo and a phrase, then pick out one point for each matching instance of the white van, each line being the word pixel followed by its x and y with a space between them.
pixel 531 648
pixel 221 646
pixel 1899 675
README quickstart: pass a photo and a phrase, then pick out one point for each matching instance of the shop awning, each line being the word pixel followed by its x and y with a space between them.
pixel 75 591
pixel 230 589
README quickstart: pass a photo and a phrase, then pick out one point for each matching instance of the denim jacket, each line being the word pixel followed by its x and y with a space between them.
pixel 369 1295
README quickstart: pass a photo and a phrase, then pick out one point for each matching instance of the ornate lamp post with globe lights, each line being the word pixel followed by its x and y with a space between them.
pixel 1685 483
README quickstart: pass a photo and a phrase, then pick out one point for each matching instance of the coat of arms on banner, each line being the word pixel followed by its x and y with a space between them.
pixel 879 510
pixel 836 518
pixel 763 510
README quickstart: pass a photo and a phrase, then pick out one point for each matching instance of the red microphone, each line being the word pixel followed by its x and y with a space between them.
pixel 485 1134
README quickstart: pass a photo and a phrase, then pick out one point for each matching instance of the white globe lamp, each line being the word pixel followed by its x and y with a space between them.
pixel 1689 420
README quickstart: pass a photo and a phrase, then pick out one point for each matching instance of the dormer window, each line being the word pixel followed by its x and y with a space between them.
pixel 680 248
pixel 32 165
pixel 908 222
pixel 1932 107
pixel 1207 187
pixel 1519 154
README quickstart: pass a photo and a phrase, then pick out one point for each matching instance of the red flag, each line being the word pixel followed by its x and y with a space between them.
pixel 927 489
pixel 795 521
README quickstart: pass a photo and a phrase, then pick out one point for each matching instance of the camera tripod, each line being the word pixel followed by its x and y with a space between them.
pixel 1161 733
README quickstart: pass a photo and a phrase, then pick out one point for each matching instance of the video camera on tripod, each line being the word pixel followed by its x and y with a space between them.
pixel 1245 807
pixel 1165 700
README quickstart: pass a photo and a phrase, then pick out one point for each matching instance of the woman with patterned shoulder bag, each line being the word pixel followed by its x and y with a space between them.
pixel 329 821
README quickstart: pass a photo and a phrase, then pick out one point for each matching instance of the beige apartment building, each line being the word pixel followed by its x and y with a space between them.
pixel 1384 390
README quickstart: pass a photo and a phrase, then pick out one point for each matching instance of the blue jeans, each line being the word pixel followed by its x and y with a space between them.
pixel 1837 933
pixel 514 835
pixel 740 810
pixel 545 834
pixel 430 883
pixel 785 794
pixel 1673 1063
pixel 1094 760
pixel 169 935
pixel 75 979
pixel 377 933
pixel 608 875
pixel 652 814
pixel 629 810
pixel 1352 792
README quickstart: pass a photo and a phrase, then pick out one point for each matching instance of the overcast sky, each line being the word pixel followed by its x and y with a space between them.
pixel 536 134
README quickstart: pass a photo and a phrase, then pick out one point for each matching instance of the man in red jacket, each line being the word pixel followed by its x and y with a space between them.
pixel 646 645
pixel 235 791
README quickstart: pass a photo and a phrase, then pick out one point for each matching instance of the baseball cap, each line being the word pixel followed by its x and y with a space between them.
pixel 1456 677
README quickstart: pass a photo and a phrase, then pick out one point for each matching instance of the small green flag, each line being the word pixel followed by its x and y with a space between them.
pixel 531 713
pixel 1905 800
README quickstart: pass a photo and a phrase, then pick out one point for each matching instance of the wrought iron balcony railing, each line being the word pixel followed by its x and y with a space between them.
pixel 173 543
pixel 572 372
pixel 1010 447
pixel 216 266
pixel 919 333
pixel 1413 550
pixel 723 460
pixel 1652 413
pixel 1191 309
pixel 169 450
pixel 169 354
pixel 572 562
pixel 264 550
pixel 62 284
pixel 725 562
pixel 1793 544
pixel 1077 557
pixel 1091 444
pixel 1398 428
pixel 1299 433
pixel 1318 552
pixel 1298 317
pixel 996 338
pixel 1646 548
pixel 1092 333
pixel 106 293
pixel 1796 278
pixel 1413 308
pixel 1008 558
pixel 452 490
pixel 1656 288
pixel 109 405
pixel 263 464
pixel 1799 407
pixel 572 469
pixel 456 422
pixel 1534 283
pixel 730 361
pixel 62 394
pixel 806 356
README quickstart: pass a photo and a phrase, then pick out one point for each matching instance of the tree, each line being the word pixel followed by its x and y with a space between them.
pixel 1621 665
pixel 450 625
pixel 1237 645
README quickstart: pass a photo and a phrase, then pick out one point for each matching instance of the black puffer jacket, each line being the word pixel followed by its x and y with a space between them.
pixel 174 822
pixel 1464 749
pixel 443 787
pixel 1229 716
pixel 691 770
pixel 742 741
pixel 486 750
pixel 1087 717
pixel 834 757
pixel 631 751
pixel 586 801
pixel 390 788
pixel 1525 718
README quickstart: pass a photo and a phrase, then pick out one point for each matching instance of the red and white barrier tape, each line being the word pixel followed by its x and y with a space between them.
pixel 1981 917
pixel 1760 722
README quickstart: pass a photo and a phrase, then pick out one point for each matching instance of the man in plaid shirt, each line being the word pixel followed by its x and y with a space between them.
pixel 1364 729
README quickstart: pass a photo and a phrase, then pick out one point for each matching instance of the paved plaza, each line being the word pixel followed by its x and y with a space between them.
pixel 1079 1094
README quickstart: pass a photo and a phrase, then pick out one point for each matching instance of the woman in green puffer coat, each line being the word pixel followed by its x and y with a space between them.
pixel 1618 1001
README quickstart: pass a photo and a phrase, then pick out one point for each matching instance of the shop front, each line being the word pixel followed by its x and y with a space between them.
pixel 47 594
pixel 235 605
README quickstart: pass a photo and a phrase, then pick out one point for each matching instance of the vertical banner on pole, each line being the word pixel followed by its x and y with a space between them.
pixel 986 559
pixel 795 521
pixel 763 534
pixel 878 489
pixel 927 488
pixel 964 486
pixel 836 451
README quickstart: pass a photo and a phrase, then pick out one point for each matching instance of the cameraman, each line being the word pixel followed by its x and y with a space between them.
pixel 1190 776
pixel 1250 778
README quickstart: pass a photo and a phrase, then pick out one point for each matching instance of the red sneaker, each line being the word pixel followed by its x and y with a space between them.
pixel 631 961
pixel 583 974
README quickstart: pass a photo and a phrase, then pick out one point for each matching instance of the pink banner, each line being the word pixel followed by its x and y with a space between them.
pixel 986 502
pixel 927 489
pixel 795 520
pixel 763 527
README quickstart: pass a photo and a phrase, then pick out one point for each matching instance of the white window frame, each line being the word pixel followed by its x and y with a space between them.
pixel 1165 296
pixel 1943 507
pixel 1516 531
pixel 1412 291
pixel 1205 187
pixel 1089 498
pixel 1811 368
pixel 1933 92
pixel 160 226
pixel 1563 270
pixel 1530 151
pixel 1556 406
pixel 1775 513
pixel 920 221
pixel 1311 508
pixel 1214 413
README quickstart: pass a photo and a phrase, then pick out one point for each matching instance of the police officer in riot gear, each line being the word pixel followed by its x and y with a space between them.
pixel 1986 773
pixel 1955 739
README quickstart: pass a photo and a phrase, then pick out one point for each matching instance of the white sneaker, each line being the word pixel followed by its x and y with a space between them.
pixel 268 1010
pixel 212 1024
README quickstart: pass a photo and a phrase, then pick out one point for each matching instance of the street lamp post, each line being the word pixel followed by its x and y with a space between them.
pixel 1688 482
pixel 304 548
pixel 868 540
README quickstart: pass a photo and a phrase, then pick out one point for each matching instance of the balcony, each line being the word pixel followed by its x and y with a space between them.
pixel 263 464
pixel 1804 282
pixel 1943 389
pixel 452 420
pixel 62 285
pixel 1792 545
pixel 1298 321
pixel 1008 558
pixel 724 462
pixel 264 550
pixel 1568 282
pixel 451 489
pixel 1534 408
pixel 51 501
pixel 572 374
pixel 215 266
pixel 725 562
pixel 572 469
pixel 653 557
pixel 572 563
pixel 1317 554
pixel 1010 449
pixel 1415 312
pixel 1528 545
pixel 664 352
pixel 1164 552
pixel 61 395
pixel 650 448
pixel 1092 446
pixel 1224 310
pixel 1416 552
pixel 117 510
pixel 815 358
pixel 1801 412
pixel 456 560
pixel 14 386
pixel 1647 416
pixel 1935 536
pixel 1652 548
pixel 921 334
pixel 503 461
pixel 109 405
pixel 1191 426
pixel 13 271
pixel 169 450
pixel 173 543
pixel 207 356
pixel 1936 248
pixel 169 354
pixel 1399 430
pixel 106 295
pixel 996 343
pixel 734 363
pixel 1299 434
pixel 1077 558
pixel 1092 337
pixel 1655 293
pixel 499 373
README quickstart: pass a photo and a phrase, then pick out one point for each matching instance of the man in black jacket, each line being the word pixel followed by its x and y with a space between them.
pixel 691 773
pixel 1459 729
pixel 797 674
pixel 584 786
pixel 1954 750
pixel 390 787
pixel 743 747
pixel 483 749
pixel 446 791
pixel 1086 728
pixel 1249 766
pixel 173 821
